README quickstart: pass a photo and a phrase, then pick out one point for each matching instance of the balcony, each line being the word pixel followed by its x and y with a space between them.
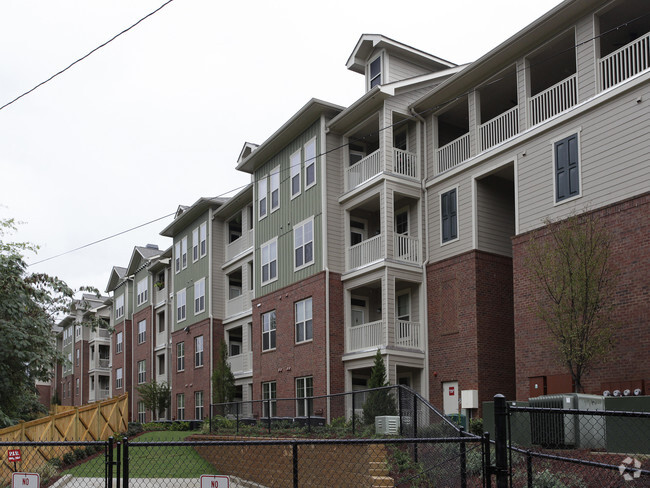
pixel 408 334
pixel 499 129
pixel 159 294
pixel 99 334
pixel 241 363
pixel 100 363
pixel 553 100
pixel 452 154
pixel 238 246
pixel 238 305
pixel 99 395
pixel 366 252
pixel 360 172
pixel 407 249
pixel 405 164
pixel 366 336
pixel 624 63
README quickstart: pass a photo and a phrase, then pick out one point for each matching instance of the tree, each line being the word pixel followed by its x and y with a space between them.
pixel 156 397
pixel 379 402
pixel 223 381
pixel 570 264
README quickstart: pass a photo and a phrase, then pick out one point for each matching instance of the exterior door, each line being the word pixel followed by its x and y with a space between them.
pixel 450 397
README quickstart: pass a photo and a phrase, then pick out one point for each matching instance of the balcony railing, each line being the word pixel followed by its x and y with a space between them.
pixel 499 128
pixel 366 336
pixel 405 163
pixel 102 394
pixel 159 294
pixel 241 362
pixel 238 305
pixel 553 100
pixel 408 334
pixel 99 333
pixel 452 154
pixel 238 246
pixel 366 252
pixel 624 63
pixel 362 171
pixel 100 363
pixel 407 248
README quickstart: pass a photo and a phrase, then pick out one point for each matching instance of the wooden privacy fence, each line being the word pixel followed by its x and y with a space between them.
pixel 94 422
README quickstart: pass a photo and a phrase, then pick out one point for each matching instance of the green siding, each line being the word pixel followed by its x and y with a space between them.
pixel 139 275
pixel 280 223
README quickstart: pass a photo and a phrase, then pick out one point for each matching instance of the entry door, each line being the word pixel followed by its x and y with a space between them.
pixel 359 308
pixel 450 397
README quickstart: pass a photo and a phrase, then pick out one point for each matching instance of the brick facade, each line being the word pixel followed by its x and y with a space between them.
pixel 629 223
pixel 141 352
pixel 122 360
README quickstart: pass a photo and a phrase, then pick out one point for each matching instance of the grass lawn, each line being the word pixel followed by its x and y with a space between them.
pixel 153 461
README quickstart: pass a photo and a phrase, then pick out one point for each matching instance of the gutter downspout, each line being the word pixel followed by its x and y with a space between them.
pixel 209 294
pixel 328 359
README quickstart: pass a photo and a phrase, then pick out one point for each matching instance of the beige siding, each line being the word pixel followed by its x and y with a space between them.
pixel 401 69
pixel 218 278
pixel 335 218
pixel 586 58
pixel 495 215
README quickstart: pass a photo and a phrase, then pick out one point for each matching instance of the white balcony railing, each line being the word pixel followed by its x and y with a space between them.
pixel 452 154
pixel 100 363
pixel 405 163
pixel 365 336
pixel 408 334
pixel 241 362
pixel 159 294
pixel 499 128
pixel 238 305
pixel 362 171
pixel 624 63
pixel 366 252
pixel 103 394
pixel 553 100
pixel 238 246
pixel 407 248
pixel 99 334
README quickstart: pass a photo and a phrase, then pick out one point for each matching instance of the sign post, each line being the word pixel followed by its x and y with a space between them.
pixel 14 456
pixel 215 481
pixel 21 480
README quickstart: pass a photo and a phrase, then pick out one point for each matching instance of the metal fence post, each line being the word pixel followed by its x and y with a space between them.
pixel 399 403
pixel 501 440
pixel 268 412
pixel 109 463
pixel 295 465
pixel 353 414
pixel 463 460
pixel 237 416
pixel 529 468
pixel 415 426
pixel 118 460
pixel 487 461
pixel 125 468
pixel 210 417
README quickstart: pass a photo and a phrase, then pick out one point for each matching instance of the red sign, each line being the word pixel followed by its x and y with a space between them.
pixel 451 391
pixel 13 455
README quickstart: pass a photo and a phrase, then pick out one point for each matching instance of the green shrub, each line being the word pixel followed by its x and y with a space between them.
pixel 56 462
pixel 476 426
pixel 69 458
pixel 46 472
pixel 133 429
pixel 79 453
pixel 155 426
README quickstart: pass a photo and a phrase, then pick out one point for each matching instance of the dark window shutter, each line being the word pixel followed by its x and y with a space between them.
pixel 448 209
pixel 566 168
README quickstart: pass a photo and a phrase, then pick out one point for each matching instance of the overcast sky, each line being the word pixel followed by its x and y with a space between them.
pixel 157 117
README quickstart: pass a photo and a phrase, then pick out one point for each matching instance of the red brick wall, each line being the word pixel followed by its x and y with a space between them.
pixel 629 222
pixel 122 360
pixel 141 352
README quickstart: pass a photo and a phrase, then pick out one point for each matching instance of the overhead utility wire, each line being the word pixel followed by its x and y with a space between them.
pixel 85 56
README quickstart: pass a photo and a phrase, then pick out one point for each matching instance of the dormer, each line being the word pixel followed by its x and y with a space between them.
pixel 383 60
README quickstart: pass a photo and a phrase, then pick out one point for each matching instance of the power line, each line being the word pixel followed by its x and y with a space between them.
pixel 85 56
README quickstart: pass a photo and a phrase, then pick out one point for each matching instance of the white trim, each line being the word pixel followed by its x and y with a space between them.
pixel 269 332
pixel 313 163
pixel 200 283
pixel 268 244
pixel 274 174
pixel 304 321
pixel 180 293
pixel 204 227
pixel 265 198
pixel 439 206
pixel 301 226
pixel 295 170
pixel 177 257
pixel 577 132
pixel 184 252
pixel 382 80
pixel 195 244
pixel 405 291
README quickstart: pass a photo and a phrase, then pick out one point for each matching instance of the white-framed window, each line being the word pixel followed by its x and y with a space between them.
pixel 199 296
pixel 198 351
pixel 303 244
pixel 180 356
pixel 180 305
pixel 119 307
pixel 303 314
pixel 76 360
pixel 203 239
pixel 118 378
pixel 77 331
pixel 184 252
pixel 310 163
pixel 304 392
pixel 143 291
pixel 118 342
pixel 269 252
pixel 374 72
pixel 198 405
pixel 180 406
pixel 269 393
pixel 77 382
pixel 195 245
pixel 142 413
pixel 177 257
pixel 142 372
pixel 142 331
pixel 294 163
pixel 268 330
pixel 262 198
pixel 275 188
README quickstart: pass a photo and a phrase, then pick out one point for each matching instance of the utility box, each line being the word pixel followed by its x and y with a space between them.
pixel 469 399
pixel 387 424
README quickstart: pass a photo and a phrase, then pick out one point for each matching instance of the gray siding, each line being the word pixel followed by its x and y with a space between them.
pixel 495 215
pixel 335 218
pixel 586 59
pixel 217 230
pixel 401 69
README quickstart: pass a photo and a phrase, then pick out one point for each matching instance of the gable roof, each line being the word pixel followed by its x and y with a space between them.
pixel 140 256
pixel 116 276
pixel 189 214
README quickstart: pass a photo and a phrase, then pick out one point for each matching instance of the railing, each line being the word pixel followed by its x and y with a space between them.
pixel 100 363
pixel 362 171
pixel 238 305
pixel 241 362
pixel 99 333
pixel 405 163
pixel 365 336
pixel 553 100
pixel 102 394
pixel 407 248
pixel 366 252
pixel 625 62
pixel 452 154
pixel 407 334
pixel 159 294
pixel 238 246
pixel 499 128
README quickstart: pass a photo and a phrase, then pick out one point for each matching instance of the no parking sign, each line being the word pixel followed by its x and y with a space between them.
pixel 32 480
pixel 215 481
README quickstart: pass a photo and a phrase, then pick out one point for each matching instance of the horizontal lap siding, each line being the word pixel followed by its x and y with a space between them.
pixel 496 214
pixel 335 227
pixel 586 59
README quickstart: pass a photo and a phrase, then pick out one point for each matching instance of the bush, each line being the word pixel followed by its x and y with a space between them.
pixel 156 426
pixel 134 429
pixel 56 462
pixel 476 426
pixel 69 458
pixel 79 453
pixel 46 472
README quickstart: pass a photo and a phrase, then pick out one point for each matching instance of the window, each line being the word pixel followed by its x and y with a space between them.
pixel 76 359
pixel 304 392
pixel 118 378
pixel 177 256
pixel 195 245
pixel 269 253
pixel 261 197
pixel 161 322
pixel 142 413
pixel 310 163
pixel 180 306
pixel 449 215
pixel 403 306
pixel 294 162
pixel 203 239
pixel 268 330
pixel 303 243
pixel 77 331
pixel 180 356
pixel 184 252
pixel 567 174
pixel 199 296
pixel 198 351
pixel 198 405
pixel 142 331
pixel 118 343
pixel 77 387
pixel 142 372
pixel 119 306
pixel 180 406
pixel 143 291
pixel 275 189
pixel 269 394
pixel 161 364
pixel 304 331
pixel 375 72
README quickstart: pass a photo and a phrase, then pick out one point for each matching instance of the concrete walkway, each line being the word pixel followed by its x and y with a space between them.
pixel 69 481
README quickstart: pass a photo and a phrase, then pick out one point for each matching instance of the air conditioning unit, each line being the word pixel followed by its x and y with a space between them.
pixel 387 424
pixel 565 430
